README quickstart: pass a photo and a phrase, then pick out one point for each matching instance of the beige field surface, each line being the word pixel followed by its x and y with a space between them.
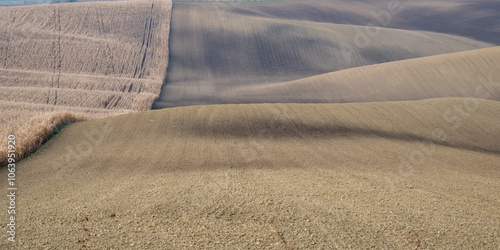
pixel 219 46
pixel 64 49
pixel 269 176
pixel 89 59
pixel 473 73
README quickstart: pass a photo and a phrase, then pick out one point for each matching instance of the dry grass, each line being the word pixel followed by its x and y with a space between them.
pixel 32 133
pixel 118 39
pixel 87 58
pixel 62 54
pixel 33 124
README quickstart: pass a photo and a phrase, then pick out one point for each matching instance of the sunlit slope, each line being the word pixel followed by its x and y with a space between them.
pixel 89 55
pixel 214 50
pixel 270 175
pixel 465 74
pixel 173 131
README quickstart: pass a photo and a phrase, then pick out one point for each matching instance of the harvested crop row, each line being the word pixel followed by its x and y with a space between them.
pixel 123 39
pixel 43 79
pixel 65 97
pixel 82 58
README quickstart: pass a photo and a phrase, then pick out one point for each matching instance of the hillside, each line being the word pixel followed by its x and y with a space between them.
pixel 219 46
pixel 87 59
pixel 474 19
pixel 60 54
pixel 388 174
pixel 473 73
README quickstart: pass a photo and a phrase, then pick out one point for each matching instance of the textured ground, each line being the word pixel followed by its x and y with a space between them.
pixel 383 175
pixel 477 19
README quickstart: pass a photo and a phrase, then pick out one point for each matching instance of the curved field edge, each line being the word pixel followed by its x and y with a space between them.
pixel 65 63
pixel 471 124
pixel 31 135
pixel 461 123
pixel 473 74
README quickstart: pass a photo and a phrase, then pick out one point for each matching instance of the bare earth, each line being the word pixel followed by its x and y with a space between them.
pixel 474 73
pixel 383 175
pixel 476 19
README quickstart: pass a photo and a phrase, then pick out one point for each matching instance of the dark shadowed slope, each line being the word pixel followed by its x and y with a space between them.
pixel 215 49
pixel 475 19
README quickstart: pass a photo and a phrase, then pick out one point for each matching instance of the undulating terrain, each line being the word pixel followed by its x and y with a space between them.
pixel 387 175
pixel 87 58
pixel 287 124
pixel 216 47
pixel 472 73
pixel 475 19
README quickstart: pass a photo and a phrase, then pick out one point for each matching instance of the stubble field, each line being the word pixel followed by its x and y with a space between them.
pixel 88 59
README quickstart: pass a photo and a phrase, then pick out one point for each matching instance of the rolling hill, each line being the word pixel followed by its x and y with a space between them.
pixel 473 19
pixel 218 46
pixel 387 174
pixel 473 73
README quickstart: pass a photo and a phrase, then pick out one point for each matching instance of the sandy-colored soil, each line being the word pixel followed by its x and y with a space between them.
pixel 473 73
pixel 383 175
pixel 219 46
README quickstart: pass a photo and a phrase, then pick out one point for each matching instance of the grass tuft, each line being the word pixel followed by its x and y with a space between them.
pixel 30 136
